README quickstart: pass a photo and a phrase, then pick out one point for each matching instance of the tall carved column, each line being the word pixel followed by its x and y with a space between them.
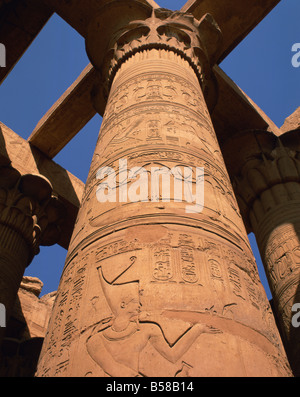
pixel 267 184
pixel 152 285
pixel 29 217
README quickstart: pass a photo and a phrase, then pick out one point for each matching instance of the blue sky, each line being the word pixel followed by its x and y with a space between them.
pixel 261 65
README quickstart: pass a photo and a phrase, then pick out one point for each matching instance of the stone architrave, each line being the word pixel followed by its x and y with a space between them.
pixel 155 285
pixel 266 175
pixel 29 217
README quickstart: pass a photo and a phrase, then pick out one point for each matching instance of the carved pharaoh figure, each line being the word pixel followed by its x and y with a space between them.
pixel 115 343
pixel 168 302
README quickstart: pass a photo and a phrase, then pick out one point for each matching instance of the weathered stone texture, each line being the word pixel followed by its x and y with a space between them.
pixel 150 289
pixel 266 177
pixel 157 282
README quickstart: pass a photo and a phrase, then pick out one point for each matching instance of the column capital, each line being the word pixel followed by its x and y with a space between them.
pixel 197 41
pixel 29 208
pixel 265 168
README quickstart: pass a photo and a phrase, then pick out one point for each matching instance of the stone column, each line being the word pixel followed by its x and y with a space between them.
pixel 155 285
pixel 29 217
pixel 267 184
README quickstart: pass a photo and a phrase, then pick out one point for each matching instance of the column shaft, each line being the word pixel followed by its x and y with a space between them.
pixel 152 287
pixel 278 238
pixel 14 254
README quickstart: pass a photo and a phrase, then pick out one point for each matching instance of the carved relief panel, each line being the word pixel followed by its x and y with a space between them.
pixel 162 287
pixel 169 285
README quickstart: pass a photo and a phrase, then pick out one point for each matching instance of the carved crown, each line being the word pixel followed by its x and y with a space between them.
pixel 198 42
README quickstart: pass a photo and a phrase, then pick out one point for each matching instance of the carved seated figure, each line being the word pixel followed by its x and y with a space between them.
pixel 115 345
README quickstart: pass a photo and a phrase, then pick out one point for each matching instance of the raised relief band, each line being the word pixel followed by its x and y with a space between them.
pixel 150 289
pixel 197 42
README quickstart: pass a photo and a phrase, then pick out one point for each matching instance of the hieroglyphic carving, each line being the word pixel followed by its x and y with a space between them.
pixel 189 270
pixel 153 130
pixel 235 281
pixel 157 274
pixel 283 255
pixel 172 159
pixel 188 263
pixel 283 266
pixel 214 258
pixel 188 267
pixel 252 294
pixel 268 190
pixel 117 247
pixel 116 343
pixel 162 87
pixel 162 266
pixel 65 326
pixel 172 129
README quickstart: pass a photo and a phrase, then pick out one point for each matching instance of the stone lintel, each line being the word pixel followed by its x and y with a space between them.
pixel 67 116
pixel 292 122
pixel 236 18
pixel 235 111
pixel 78 13
pixel 18 153
pixel 21 22
pixel 74 109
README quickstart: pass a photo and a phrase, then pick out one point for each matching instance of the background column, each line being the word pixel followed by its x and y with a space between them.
pixel 266 172
pixel 29 217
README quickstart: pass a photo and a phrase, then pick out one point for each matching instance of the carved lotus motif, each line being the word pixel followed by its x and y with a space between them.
pixel 28 206
pixel 196 41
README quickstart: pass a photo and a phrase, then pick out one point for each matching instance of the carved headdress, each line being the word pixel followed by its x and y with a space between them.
pixel 119 282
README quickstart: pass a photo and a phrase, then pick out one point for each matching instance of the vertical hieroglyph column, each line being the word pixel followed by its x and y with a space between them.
pixel 29 217
pixel 267 182
pixel 157 282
